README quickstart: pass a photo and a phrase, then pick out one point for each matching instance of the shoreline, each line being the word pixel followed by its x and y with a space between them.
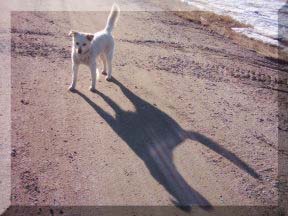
pixel 223 25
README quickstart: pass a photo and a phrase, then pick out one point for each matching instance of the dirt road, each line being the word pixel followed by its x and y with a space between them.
pixel 190 117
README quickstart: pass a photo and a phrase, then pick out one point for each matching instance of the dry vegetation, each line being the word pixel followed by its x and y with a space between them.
pixel 223 25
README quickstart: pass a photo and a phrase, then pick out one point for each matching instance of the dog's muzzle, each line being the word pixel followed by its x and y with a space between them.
pixel 79 51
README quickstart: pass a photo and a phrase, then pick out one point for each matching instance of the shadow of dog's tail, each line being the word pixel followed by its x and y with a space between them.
pixel 223 152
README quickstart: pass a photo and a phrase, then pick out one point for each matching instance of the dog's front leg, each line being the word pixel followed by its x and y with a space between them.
pixel 93 67
pixel 74 76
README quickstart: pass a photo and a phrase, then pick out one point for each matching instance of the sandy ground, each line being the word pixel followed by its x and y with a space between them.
pixel 190 118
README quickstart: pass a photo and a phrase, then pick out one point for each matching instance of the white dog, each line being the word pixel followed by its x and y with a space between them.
pixel 87 47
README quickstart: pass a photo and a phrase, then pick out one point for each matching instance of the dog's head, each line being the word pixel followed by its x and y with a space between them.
pixel 81 41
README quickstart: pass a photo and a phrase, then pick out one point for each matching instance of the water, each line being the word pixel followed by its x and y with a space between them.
pixel 261 15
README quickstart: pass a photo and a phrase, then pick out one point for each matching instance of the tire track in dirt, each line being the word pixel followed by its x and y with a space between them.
pixel 206 70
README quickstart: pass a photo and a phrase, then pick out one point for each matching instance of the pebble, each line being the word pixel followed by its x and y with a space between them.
pixel 24 102
pixel 13 153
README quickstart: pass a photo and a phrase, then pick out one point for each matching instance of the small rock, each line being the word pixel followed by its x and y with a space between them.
pixel 24 102
pixel 13 153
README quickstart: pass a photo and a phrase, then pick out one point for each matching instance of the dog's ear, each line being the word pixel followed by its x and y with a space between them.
pixel 90 37
pixel 72 33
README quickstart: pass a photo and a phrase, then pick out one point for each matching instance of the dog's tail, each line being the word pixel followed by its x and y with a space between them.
pixel 112 18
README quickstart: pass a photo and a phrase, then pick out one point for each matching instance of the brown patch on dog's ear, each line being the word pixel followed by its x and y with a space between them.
pixel 72 33
pixel 90 37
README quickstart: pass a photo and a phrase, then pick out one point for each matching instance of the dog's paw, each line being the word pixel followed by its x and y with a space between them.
pixel 109 79
pixel 71 88
pixel 92 89
pixel 104 72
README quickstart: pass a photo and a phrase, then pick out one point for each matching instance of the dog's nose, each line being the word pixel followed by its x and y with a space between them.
pixel 79 51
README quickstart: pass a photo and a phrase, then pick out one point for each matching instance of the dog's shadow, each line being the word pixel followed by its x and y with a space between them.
pixel 153 135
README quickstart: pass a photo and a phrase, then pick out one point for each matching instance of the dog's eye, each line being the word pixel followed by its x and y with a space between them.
pixel 84 44
pixel 77 43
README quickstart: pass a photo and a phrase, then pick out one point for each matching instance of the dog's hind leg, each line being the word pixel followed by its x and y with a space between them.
pixel 75 68
pixel 93 68
pixel 103 58
pixel 109 65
